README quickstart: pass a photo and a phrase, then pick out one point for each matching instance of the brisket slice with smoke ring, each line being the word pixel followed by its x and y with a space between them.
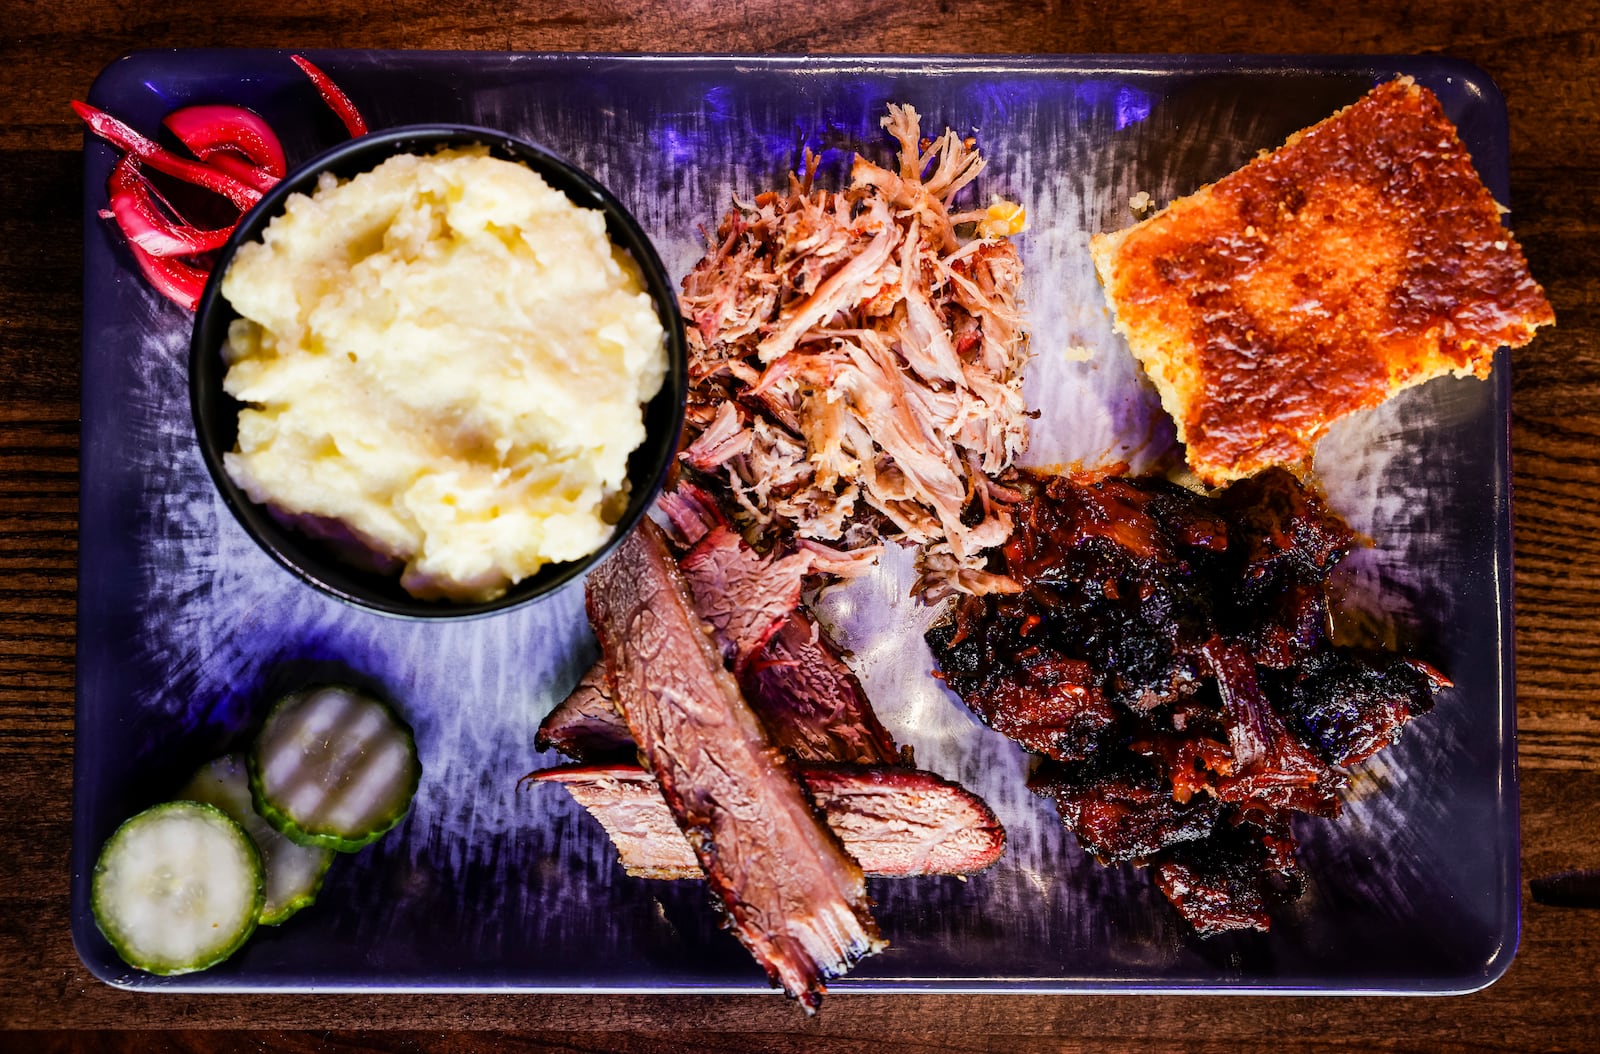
pixel 895 822
pixel 745 596
pixel 793 677
pixel 792 895
pixel 691 513
pixel 810 702
pixel 813 705
pixel 800 687
pixel 585 725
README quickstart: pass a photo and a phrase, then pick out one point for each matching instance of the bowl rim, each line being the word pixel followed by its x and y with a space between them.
pixel 309 560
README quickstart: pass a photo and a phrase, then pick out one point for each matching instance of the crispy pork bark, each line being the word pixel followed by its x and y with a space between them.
pixel 895 822
pixel 793 896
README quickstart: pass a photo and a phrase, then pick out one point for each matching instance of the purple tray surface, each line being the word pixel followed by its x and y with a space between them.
pixel 187 631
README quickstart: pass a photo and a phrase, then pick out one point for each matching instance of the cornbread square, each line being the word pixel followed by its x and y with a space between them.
pixel 1362 257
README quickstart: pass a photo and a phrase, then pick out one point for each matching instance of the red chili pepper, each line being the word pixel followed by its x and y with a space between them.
pixel 218 134
pixel 337 100
pixel 177 281
pixel 133 206
pixel 162 160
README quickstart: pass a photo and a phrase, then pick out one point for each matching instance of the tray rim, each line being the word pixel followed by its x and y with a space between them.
pixel 1489 107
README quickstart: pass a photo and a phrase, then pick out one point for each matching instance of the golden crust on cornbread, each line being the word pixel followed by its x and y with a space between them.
pixel 1360 258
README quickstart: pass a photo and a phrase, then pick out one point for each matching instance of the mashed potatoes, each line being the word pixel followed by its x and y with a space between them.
pixel 448 357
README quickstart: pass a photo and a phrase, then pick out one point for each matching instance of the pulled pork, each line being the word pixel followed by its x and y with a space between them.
pixel 852 355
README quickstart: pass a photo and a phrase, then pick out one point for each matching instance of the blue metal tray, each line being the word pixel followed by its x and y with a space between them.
pixel 187 631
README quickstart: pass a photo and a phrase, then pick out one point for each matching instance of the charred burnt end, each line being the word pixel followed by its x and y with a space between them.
pixel 1286 632
pixel 1111 566
pixel 1051 706
pixel 1190 744
pixel 1347 704
pixel 1121 807
pixel 1233 878
pixel 1278 524
pixel 1032 692
pixel 1109 574
pixel 1171 655
pixel 1283 545
pixel 962 642
pixel 1271 769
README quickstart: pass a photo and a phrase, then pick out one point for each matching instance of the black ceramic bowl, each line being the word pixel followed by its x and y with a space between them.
pixel 216 414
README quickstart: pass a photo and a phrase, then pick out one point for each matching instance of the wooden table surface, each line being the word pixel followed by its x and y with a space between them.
pixel 1545 55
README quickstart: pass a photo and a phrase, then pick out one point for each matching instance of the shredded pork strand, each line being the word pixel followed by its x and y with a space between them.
pixel 852 355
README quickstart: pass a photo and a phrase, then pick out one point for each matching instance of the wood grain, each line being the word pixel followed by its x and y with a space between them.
pixel 1543 54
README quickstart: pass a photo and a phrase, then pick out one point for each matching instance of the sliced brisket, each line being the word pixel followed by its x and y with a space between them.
pixel 811 701
pixel 793 896
pixel 691 513
pixel 627 802
pixel 793 676
pixel 744 595
pixel 586 725
pixel 896 822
